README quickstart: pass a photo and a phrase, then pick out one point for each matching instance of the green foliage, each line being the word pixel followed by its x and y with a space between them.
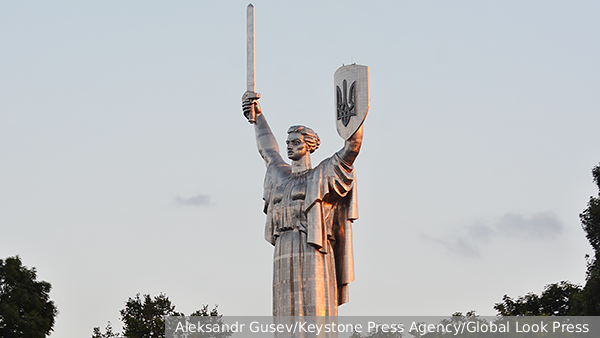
pixel 25 306
pixel 555 300
pixel 108 334
pixel 590 218
pixel 589 302
pixel 214 318
pixel 204 312
pixel 143 317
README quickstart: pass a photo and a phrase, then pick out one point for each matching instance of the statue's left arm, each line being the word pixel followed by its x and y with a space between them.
pixel 351 147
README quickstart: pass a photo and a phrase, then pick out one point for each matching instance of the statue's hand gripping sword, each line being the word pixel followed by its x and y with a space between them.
pixel 250 93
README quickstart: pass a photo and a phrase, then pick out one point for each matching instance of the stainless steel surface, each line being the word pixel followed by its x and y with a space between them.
pixel 250 64
pixel 351 85
pixel 309 219
pixel 250 77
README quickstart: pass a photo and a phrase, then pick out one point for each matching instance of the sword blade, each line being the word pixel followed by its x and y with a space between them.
pixel 250 66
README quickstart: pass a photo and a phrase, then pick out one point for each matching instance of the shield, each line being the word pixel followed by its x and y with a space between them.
pixel 351 85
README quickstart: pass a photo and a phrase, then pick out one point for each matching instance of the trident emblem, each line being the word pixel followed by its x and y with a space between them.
pixel 346 103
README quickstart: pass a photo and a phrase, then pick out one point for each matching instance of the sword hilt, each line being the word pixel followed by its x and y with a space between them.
pixel 250 96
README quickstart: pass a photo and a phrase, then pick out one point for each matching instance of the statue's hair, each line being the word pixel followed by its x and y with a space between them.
pixel 310 137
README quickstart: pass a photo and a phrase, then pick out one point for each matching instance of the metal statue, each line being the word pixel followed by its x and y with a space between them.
pixel 310 210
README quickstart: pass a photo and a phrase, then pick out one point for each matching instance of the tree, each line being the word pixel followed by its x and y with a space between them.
pixel 588 303
pixel 108 334
pixel 144 318
pixel 555 300
pixel 213 318
pixel 25 306
pixel 204 312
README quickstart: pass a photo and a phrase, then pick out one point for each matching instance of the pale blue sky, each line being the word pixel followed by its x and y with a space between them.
pixel 128 167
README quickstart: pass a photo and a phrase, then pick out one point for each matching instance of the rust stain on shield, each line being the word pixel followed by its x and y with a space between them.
pixel 352 97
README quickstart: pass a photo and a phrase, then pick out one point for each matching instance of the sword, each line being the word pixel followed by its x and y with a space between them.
pixel 250 93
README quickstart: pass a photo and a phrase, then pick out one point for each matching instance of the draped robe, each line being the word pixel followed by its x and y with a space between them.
pixel 309 221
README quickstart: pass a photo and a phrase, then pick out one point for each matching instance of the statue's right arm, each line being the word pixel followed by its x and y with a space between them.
pixel 265 140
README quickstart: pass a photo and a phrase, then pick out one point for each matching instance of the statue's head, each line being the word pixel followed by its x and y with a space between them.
pixel 301 141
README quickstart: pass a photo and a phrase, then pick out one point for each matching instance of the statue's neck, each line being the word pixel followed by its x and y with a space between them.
pixel 301 165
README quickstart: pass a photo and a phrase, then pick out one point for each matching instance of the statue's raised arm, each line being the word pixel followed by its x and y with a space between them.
pixel 265 140
pixel 351 147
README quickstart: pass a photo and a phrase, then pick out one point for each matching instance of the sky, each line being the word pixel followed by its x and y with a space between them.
pixel 127 166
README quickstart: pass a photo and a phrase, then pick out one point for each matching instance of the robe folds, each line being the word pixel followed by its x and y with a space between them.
pixel 309 221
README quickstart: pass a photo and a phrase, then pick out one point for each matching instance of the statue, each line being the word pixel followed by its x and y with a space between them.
pixel 309 214
pixel 310 210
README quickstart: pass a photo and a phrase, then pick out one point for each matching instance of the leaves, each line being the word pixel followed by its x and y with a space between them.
pixel 144 316
pixel 589 302
pixel 555 300
pixel 108 334
pixel 25 306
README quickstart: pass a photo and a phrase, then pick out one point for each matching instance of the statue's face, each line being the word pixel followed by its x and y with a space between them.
pixel 296 147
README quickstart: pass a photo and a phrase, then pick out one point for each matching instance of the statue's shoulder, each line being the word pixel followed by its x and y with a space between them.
pixel 331 161
pixel 277 170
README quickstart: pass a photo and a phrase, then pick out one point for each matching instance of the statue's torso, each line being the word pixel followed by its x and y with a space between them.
pixel 288 202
